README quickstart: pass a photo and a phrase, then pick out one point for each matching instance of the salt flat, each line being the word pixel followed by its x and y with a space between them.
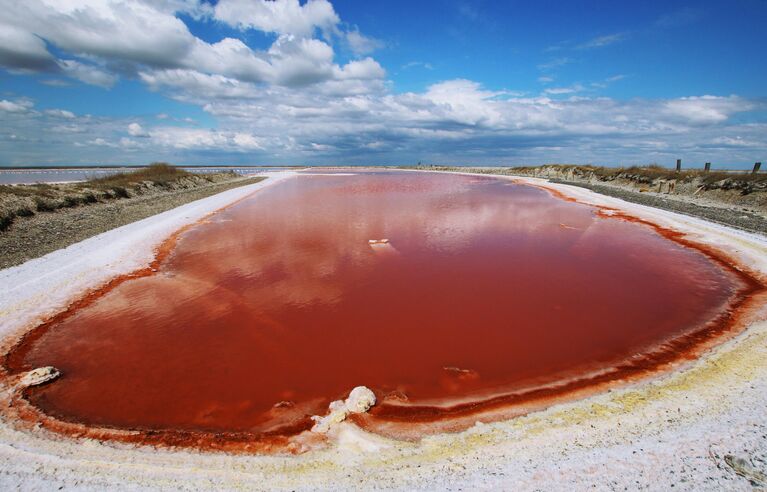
pixel 674 430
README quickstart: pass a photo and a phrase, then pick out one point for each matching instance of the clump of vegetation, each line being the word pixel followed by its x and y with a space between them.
pixel 24 212
pixel 6 219
pixel 8 214
pixel 118 192
pixel 158 173
pixel 43 204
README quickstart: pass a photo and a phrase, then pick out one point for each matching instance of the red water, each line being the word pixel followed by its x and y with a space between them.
pixel 278 304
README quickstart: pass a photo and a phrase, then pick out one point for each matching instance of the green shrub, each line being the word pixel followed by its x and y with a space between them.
pixel 71 201
pixel 6 219
pixel 45 205
pixel 120 192
pixel 24 212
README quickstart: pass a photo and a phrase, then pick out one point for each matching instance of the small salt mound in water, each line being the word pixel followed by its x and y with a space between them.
pixel 39 376
pixel 360 400
pixel 378 241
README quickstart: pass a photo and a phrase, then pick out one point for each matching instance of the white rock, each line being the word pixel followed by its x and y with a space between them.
pixel 360 400
pixel 39 376
pixel 338 413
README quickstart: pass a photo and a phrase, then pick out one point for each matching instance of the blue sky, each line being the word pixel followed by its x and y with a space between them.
pixel 395 82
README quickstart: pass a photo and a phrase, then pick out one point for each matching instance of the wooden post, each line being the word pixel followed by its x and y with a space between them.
pixel 707 167
pixel 678 165
pixel 757 165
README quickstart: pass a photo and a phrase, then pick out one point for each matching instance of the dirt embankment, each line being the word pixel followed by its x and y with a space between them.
pixel 736 199
pixel 41 218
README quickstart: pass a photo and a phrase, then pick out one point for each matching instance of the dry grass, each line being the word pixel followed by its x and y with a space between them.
pixel 159 173
pixel 26 190
pixel 25 200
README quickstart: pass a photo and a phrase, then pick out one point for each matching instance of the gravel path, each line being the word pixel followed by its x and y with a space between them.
pixel 32 237
pixel 734 217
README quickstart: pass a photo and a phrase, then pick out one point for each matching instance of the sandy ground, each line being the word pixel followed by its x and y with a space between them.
pixel 677 431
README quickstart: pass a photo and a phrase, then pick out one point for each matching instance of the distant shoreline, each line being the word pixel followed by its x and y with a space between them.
pixel 744 168
pixel 138 166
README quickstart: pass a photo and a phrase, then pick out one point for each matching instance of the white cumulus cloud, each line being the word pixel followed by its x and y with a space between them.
pixel 361 44
pixel 21 106
pixel 22 50
pixel 89 74
pixel 706 109
pixel 294 99
pixel 60 113
pixel 136 130
pixel 147 37
pixel 280 16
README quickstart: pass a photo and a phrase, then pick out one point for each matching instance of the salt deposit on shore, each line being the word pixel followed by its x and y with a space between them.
pixel 675 430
